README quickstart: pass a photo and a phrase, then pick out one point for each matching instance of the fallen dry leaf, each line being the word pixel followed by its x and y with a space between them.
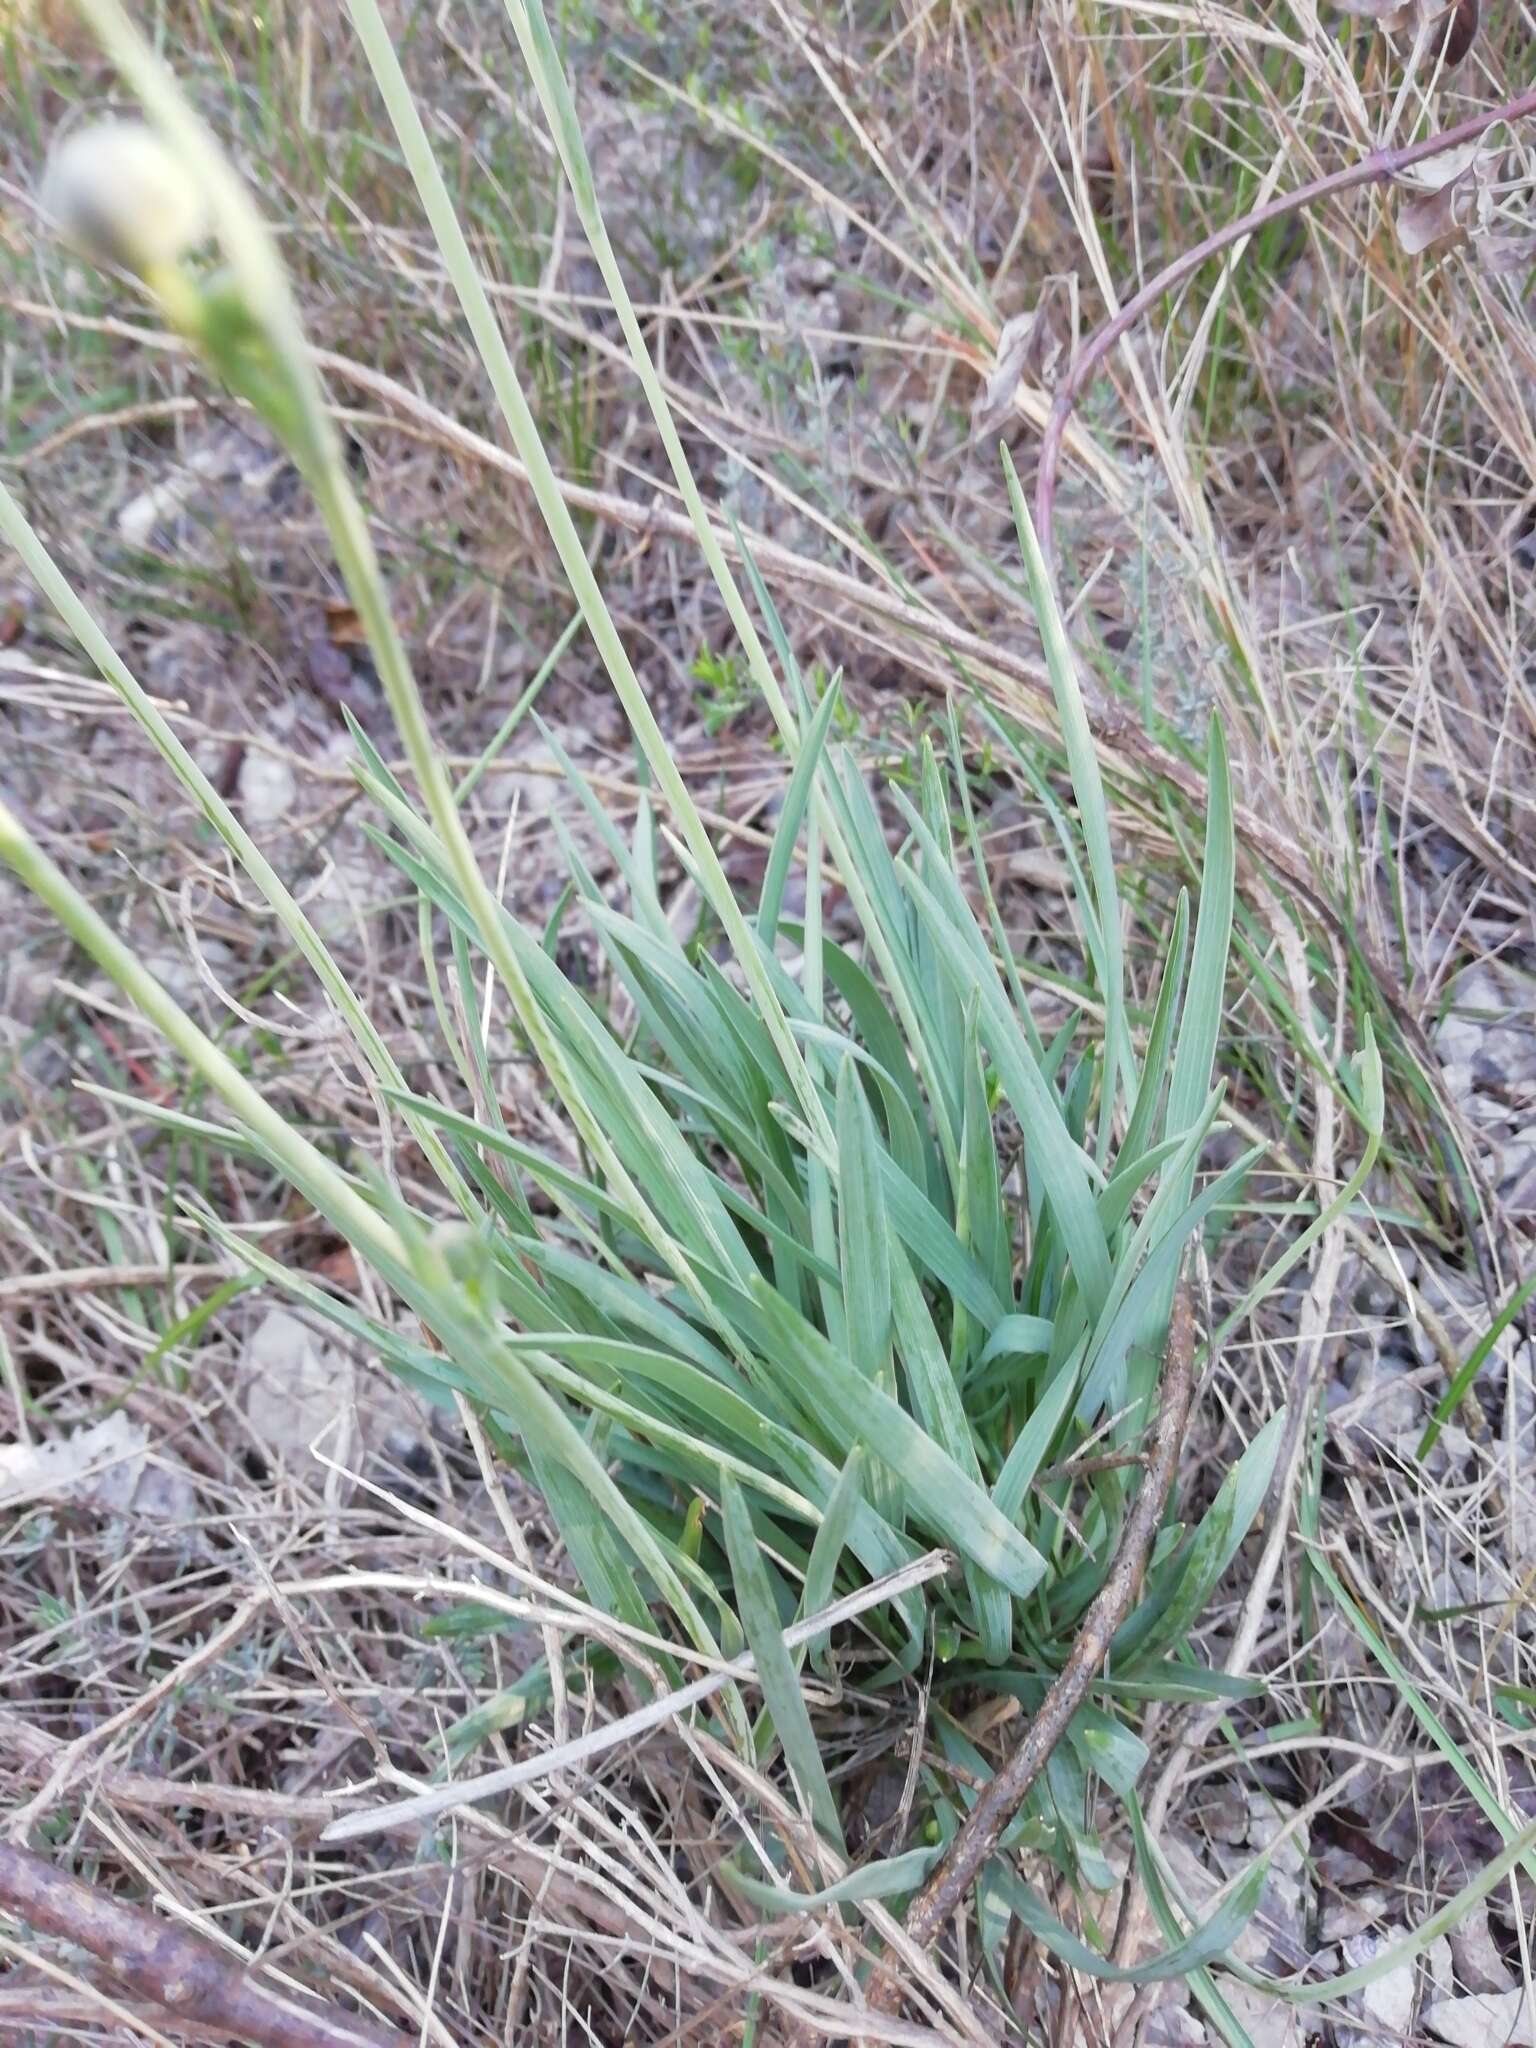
pixel 1426 218
pixel 1029 345
pixel 1454 192
pixel 1458 23
pixel 106 1467
pixel 297 1388
pixel 343 626
pixel 1462 31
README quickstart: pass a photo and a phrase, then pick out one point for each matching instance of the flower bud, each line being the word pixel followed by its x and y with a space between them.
pixel 121 196
pixel 465 1253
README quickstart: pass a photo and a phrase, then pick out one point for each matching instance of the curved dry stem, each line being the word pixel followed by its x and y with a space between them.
pixel 1379 168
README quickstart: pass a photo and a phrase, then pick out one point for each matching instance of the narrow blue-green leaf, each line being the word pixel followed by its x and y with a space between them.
pixel 1083 765
pixel 1059 1164
pixel 775 1672
pixel 827 1550
pixel 1201 1982
pixel 1107 1747
pixel 1140 1131
pixel 904 1140
pixel 1446 1406
pixel 1142 1305
pixel 941 1495
pixel 1020 1337
pixel 1200 1024
pixel 864 1237
pixel 792 813
pixel 1201 1561
pixel 936 1398
pixel 887 1878
pixel 1207 1943
pixel 1033 1441
pixel 981 1186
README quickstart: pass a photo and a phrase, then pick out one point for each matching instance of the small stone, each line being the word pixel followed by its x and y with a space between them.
pixel 297 1388
pixel 1341 1867
pixel 1386 1413
pixel 1226 1817
pixel 268 788
pixel 1439 1971
pixel 1345 1918
pixel 148 509
pixel 1173 2026
pixel 1266 1821
pixel 1268 2022
pixel 1480 1966
pixel 1492 2020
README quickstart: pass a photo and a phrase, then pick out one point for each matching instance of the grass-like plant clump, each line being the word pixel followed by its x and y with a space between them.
pixel 835 1334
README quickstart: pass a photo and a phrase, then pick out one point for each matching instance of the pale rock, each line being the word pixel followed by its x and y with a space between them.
pixel 1265 1822
pixel 1385 1411
pixel 1500 2019
pixel 297 1388
pixel 1343 1918
pixel 1191 1873
pixel 1338 1866
pixel 137 520
pixel 268 787
pixel 339 905
pixel 1522 1522
pixel 1480 1965
pixel 108 1466
pixel 1277 1929
pixel 1173 2026
pixel 1439 1971
pixel 1227 1817
pixel 1268 2022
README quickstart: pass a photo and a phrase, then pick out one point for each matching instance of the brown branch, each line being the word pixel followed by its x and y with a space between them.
pixel 176 1971
pixel 1006 1792
pixel 1379 168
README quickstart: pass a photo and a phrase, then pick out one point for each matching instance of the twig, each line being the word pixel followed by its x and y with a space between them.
pixel 1006 1792
pixel 176 1971
pixel 1379 168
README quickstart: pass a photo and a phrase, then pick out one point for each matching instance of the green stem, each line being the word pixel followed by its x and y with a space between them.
pixel 317 1177
pixel 55 586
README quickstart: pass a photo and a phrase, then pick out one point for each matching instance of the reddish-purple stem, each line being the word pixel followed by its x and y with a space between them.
pixel 1378 168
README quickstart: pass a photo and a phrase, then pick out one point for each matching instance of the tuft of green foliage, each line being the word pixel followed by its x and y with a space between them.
pixel 844 1258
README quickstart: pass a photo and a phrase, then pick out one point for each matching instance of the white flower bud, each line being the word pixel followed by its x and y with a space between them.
pixel 122 196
